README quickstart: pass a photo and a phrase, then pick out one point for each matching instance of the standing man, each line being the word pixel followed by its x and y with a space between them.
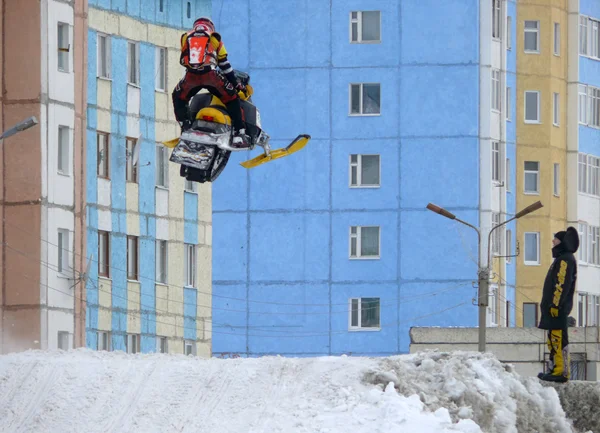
pixel 557 303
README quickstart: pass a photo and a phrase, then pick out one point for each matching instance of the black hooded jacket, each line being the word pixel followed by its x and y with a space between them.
pixel 559 286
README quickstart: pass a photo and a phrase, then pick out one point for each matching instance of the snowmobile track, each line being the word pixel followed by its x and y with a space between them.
pixel 15 382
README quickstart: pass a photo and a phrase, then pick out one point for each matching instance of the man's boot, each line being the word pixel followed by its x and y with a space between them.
pixel 240 139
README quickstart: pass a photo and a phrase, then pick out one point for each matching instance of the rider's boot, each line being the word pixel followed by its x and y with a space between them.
pixel 240 139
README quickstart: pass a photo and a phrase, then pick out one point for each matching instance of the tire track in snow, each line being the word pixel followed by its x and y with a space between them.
pixel 15 383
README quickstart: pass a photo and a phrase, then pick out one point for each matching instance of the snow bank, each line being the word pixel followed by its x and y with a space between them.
pixel 92 391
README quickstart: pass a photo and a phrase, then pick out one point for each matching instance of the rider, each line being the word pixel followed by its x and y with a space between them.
pixel 201 52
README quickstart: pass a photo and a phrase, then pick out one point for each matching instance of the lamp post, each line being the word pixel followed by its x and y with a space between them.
pixel 21 126
pixel 483 273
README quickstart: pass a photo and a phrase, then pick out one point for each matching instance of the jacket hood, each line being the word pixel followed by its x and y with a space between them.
pixel 570 242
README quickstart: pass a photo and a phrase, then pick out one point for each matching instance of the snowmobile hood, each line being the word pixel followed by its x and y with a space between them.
pixel 570 242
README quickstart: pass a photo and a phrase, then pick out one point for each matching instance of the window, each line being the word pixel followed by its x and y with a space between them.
pixel 508 33
pixel 532 106
pixel 103 155
pixel 365 313
pixel 581 310
pixel 508 246
pixel 532 174
pixel 161 69
pixel 532 248
pixel 507 175
pixel 594 107
pixel 103 341
pixel 364 242
pixel 131 170
pixel 492 310
pixel 507 314
pixel 496 94
pixel 582 252
pixel 162 345
pixel 594 253
pixel 132 258
pixel 63 47
pixel 103 254
pixel 556 39
pixel 365 27
pixel 508 112
pixel 364 171
pixel 132 343
pixel 556 179
pixel 63 150
pixel 589 174
pixel 161 5
pixel 495 161
pixel 133 63
pixel 582 172
pixel 162 166
pixel 496 19
pixel 583 104
pixel 365 99
pixel 532 36
pixel 530 314
pixel 497 235
pixel 589 309
pixel 63 249
pixel 583 35
pixel 594 38
pixel 189 10
pixel 189 348
pixel 104 57
pixel 63 340
pixel 161 261
pixel 190 265
pixel 190 186
pixel 555 109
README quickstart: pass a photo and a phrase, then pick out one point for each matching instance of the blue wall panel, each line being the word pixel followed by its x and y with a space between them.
pixel 590 8
pixel 230 323
pixel 189 312
pixel 231 18
pixel 589 71
pixel 230 234
pixel 589 140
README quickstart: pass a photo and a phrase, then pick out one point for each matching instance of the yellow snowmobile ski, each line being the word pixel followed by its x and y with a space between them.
pixel 296 145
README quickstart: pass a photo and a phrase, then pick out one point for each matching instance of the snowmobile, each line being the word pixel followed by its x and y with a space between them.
pixel 204 149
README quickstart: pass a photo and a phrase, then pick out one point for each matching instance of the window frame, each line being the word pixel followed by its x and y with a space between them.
pixel 162 258
pixel 63 151
pixel 536 316
pixel 190 186
pixel 190 258
pixel 359 27
pixel 359 326
pixel 361 100
pixel 509 33
pixel 136 63
pixel 556 40
pixel 63 53
pixel 528 262
pixel 132 343
pixel 533 122
pixel 537 37
pixel 537 181
pixel 583 35
pixel 101 159
pixel 100 336
pixel 582 252
pixel 160 69
pixel 555 109
pixel 358 237
pixel 492 308
pixel 131 170
pixel 496 165
pixel 582 104
pixel 359 170
pixel 496 90
pixel 189 343
pixel 103 59
pixel 162 166
pixel 104 256
pixel 63 250
pixel 162 344
pixel 556 180
pixel 60 335
pixel 133 258
pixel 497 20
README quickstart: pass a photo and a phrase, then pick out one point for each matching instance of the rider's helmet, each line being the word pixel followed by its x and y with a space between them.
pixel 204 23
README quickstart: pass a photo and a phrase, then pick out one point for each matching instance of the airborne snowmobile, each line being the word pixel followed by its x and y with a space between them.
pixel 204 149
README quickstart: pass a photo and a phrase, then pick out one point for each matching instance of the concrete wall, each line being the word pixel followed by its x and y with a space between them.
pixel 523 347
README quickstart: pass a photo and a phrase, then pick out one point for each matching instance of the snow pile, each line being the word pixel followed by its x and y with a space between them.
pixel 475 386
pixel 92 391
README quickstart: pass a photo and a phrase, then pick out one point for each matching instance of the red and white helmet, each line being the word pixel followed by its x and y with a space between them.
pixel 204 23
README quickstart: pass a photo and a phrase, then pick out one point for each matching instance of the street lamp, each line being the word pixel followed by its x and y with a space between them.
pixel 21 126
pixel 483 273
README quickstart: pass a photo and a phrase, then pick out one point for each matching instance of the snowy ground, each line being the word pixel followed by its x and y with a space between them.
pixel 88 391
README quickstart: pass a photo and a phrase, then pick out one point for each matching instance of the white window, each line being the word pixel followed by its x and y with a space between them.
pixel 530 315
pixel 532 36
pixel 103 341
pixel 63 249
pixel 190 186
pixel 365 313
pixel 582 173
pixel 594 255
pixel 189 348
pixel 594 106
pixel 190 265
pixel 555 109
pixel 496 93
pixel 556 39
pixel 365 99
pixel 556 179
pixel 508 246
pixel 532 248
pixel 131 170
pixel 63 47
pixel 496 19
pixel 508 33
pixel 161 261
pixel 162 345
pixel 364 242
pixel 583 35
pixel 103 155
pixel 132 343
pixel 594 175
pixel 365 171
pixel 104 56
pixel 532 176
pixel 104 254
pixel 582 252
pixel 594 38
pixel 492 310
pixel 583 104
pixel 161 69
pixel 132 258
pixel 365 27
pixel 162 166
pixel 63 340
pixel 508 108
pixel 581 299
pixel 532 106
pixel 133 63
pixel 507 175
pixel 495 161
pixel 64 151
pixel 496 235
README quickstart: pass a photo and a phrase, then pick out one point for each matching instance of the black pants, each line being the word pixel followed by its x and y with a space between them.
pixel 558 344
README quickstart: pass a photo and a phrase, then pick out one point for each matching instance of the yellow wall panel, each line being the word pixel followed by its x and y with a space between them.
pixel 105 302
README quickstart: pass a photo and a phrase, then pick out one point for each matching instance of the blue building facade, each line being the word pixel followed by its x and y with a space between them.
pixel 289 235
